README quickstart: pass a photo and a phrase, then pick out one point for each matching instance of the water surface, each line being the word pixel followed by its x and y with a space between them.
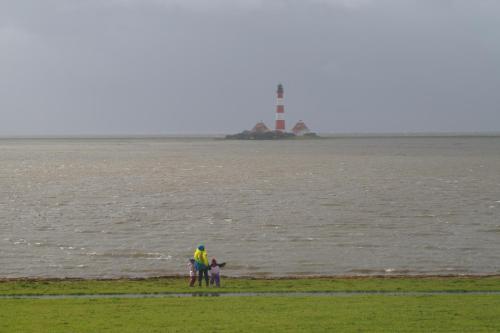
pixel 138 207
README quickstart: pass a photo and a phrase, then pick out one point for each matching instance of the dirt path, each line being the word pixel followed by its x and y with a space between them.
pixel 255 294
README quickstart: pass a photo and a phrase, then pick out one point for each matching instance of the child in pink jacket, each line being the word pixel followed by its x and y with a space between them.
pixel 215 272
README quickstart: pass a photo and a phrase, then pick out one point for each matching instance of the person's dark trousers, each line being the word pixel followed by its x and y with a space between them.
pixel 202 272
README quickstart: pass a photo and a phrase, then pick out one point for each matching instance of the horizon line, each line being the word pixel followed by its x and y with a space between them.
pixel 217 135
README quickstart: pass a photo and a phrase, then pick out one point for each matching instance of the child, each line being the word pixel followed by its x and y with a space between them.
pixel 192 273
pixel 215 272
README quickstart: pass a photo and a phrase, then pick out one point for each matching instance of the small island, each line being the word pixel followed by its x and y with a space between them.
pixel 271 135
pixel 261 132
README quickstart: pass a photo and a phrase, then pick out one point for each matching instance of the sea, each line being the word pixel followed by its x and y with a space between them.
pixel 138 207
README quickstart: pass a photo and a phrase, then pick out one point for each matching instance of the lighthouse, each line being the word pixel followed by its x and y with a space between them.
pixel 280 110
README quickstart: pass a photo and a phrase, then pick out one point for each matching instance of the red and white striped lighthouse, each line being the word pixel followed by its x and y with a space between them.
pixel 280 110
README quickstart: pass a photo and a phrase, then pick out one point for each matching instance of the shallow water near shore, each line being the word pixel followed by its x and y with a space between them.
pixel 254 294
pixel 138 207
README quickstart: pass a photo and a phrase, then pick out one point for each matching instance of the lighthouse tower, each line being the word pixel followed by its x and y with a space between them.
pixel 280 110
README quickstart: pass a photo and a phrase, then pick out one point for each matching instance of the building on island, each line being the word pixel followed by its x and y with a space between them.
pixel 300 129
pixel 260 127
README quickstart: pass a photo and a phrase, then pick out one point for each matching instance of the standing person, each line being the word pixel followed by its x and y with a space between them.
pixel 201 263
pixel 192 273
pixel 215 272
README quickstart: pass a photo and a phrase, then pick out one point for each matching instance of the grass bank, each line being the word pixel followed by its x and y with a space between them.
pixel 443 313
pixel 179 285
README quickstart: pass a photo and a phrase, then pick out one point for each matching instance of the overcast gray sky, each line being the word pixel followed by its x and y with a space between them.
pixel 212 66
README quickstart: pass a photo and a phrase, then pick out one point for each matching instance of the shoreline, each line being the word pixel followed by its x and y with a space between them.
pixel 256 277
pixel 179 284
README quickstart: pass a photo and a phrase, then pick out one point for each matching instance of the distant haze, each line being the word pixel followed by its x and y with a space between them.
pixel 105 67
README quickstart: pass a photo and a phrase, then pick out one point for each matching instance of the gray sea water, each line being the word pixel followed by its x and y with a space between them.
pixel 138 207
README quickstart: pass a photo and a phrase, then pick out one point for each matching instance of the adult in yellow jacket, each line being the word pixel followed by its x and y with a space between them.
pixel 201 264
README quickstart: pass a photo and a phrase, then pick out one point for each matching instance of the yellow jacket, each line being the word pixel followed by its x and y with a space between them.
pixel 201 258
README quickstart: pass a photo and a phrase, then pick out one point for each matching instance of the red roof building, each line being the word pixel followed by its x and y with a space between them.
pixel 260 127
pixel 300 128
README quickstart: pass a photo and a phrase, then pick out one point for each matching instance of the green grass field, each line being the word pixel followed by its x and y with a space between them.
pixel 357 313
pixel 465 313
